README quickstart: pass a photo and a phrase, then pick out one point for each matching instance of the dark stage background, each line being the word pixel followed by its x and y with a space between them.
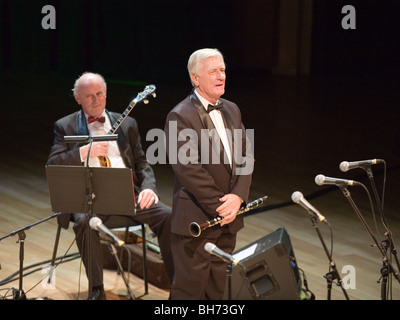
pixel 315 93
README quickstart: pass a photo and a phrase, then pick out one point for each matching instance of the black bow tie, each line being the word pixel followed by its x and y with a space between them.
pixel 217 107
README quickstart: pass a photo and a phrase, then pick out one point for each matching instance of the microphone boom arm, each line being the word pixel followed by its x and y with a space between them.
pixel 384 256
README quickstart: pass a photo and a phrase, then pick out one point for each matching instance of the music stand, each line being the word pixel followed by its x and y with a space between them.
pixel 102 190
pixel 112 190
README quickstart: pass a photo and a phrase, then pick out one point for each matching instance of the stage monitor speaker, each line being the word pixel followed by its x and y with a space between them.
pixel 267 271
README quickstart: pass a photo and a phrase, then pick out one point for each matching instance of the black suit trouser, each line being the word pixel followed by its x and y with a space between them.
pixel 198 274
pixel 157 217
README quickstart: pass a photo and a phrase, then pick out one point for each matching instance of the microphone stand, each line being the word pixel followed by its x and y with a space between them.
pixel 229 279
pixel 334 274
pixel 89 188
pixel 20 294
pixel 90 198
pixel 388 242
pixel 229 268
pixel 113 252
pixel 385 260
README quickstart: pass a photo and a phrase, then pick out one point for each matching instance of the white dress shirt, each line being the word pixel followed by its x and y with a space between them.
pixel 97 128
pixel 216 118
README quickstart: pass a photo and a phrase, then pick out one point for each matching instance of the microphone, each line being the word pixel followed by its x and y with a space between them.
pixel 322 180
pixel 297 197
pixel 346 166
pixel 96 224
pixel 213 249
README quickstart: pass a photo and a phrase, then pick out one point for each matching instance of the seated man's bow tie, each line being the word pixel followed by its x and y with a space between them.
pixel 217 107
pixel 92 119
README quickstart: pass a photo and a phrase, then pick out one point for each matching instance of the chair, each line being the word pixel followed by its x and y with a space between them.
pixel 144 246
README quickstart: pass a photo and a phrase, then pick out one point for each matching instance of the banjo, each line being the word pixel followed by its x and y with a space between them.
pixel 142 96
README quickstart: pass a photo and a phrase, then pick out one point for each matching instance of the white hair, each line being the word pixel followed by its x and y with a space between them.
pixel 197 57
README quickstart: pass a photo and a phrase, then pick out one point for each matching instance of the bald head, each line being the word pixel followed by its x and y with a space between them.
pixel 90 91
pixel 86 78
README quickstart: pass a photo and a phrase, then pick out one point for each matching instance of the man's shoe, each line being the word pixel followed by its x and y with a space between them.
pixel 98 294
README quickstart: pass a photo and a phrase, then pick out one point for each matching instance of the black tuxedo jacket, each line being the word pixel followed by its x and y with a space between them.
pixel 198 186
pixel 129 144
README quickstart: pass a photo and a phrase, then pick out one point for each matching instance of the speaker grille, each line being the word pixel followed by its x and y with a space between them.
pixel 269 271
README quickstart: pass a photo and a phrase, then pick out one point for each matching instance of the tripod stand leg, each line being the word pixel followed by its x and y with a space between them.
pixel 53 258
pixel 145 274
pixel 20 294
pixel 113 252
pixel 329 280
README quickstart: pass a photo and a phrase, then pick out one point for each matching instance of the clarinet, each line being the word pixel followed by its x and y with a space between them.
pixel 195 228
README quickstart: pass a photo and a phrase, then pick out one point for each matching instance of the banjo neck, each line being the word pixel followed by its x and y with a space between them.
pixel 148 90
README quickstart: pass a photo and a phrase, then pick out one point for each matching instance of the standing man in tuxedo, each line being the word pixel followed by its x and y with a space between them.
pixel 90 92
pixel 202 134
